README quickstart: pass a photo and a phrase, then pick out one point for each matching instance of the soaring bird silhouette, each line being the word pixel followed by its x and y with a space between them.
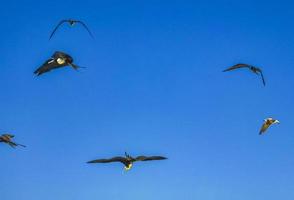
pixel 71 22
pixel 7 138
pixel 128 160
pixel 255 70
pixel 267 123
pixel 57 60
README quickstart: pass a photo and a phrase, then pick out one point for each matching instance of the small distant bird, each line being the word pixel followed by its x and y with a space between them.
pixel 6 138
pixel 128 160
pixel 255 70
pixel 57 60
pixel 267 123
pixel 71 22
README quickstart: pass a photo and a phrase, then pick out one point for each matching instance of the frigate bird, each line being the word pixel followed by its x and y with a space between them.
pixel 255 70
pixel 128 160
pixel 71 22
pixel 57 60
pixel 267 123
pixel 7 138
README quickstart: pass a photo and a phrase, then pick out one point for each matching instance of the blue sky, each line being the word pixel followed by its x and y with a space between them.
pixel 153 85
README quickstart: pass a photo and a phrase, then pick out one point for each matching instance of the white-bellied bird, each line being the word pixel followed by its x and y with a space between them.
pixel 267 123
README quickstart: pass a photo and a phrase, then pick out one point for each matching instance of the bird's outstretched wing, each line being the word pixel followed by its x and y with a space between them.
pixel 13 144
pixel 58 25
pixel 237 66
pixel 145 158
pixel 21 145
pixel 263 80
pixel 86 27
pixel 8 135
pixel 114 159
pixel 46 67
pixel 264 128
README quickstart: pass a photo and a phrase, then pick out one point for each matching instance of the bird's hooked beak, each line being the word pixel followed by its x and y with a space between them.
pixel 277 122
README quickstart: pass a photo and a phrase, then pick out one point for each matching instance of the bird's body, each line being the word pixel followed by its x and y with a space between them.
pixel 72 23
pixel 7 138
pixel 255 70
pixel 127 160
pixel 58 59
pixel 267 123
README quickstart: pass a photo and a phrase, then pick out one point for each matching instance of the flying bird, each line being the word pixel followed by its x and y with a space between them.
pixel 267 123
pixel 7 138
pixel 255 70
pixel 57 60
pixel 128 160
pixel 71 22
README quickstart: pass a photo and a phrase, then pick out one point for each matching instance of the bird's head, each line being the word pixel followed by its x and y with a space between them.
pixel 269 119
pixel 276 122
pixel 254 69
pixel 71 22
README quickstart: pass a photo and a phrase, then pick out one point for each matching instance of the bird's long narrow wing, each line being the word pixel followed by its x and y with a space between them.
pixel 114 159
pixel 12 144
pixel 58 25
pixel 20 145
pixel 263 80
pixel 264 128
pixel 86 27
pixel 145 158
pixel 237 66
pixel 8 135
pixel 45 67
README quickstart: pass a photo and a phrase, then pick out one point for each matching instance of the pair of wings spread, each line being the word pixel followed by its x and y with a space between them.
pixel 124 160
pixel 237 66
pixel 68 21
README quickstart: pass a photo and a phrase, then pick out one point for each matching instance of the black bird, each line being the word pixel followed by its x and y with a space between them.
pixel 255 70
pixel 128 160
pixel 57 60
pixel 6 138
pixel 71 22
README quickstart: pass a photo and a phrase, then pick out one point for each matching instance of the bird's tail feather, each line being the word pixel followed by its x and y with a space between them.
pixel 76 67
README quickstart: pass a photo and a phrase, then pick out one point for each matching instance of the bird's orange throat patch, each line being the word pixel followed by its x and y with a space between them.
pixel 60 61
pixel 128 167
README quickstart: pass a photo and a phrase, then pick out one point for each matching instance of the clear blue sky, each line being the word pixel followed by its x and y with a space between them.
pixel 153 85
